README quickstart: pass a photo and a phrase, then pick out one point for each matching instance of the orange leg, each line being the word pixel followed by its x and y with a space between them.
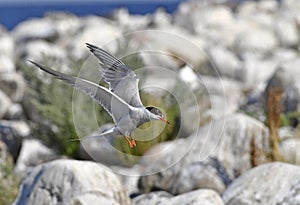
pixel 130 141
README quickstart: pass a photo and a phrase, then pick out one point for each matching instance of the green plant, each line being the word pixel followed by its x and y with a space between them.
pixel 8 182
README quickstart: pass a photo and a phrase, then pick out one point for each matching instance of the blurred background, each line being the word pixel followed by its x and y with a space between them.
pixel 236 66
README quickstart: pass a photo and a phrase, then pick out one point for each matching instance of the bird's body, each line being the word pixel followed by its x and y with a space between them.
pixel 121 100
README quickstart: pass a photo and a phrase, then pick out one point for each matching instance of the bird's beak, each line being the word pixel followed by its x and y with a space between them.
pixel 164 120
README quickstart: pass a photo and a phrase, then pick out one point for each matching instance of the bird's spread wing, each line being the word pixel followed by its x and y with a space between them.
pixel 113 104
pixel 121 79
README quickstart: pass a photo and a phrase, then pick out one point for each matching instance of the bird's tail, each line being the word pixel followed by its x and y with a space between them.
pixel 107 133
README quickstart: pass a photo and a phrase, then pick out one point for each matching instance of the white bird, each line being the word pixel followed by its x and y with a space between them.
pixel 122 100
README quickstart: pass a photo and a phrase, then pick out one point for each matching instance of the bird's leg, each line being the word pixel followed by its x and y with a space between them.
pixel 130 141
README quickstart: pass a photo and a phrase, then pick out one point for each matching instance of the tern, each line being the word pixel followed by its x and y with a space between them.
pixel 121 100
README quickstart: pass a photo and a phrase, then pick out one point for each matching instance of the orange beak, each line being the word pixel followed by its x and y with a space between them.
pixel 164 120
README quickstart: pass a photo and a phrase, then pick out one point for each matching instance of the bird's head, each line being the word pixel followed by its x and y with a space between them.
pixel 156 114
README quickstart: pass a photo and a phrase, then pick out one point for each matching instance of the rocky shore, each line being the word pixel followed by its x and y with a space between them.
pixel 229 84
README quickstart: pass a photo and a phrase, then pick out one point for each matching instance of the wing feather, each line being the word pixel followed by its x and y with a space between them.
pixel 113 104
pixel 121 79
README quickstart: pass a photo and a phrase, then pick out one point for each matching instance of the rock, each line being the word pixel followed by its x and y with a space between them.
pixel 43 51
pixel 225 61
pixel 32 153
pixel 255 73
pixel 12 140
pixel 13 85
pixel 158 197
pixel 286 78
pixel 7 46
pixel 287 32
pixel 202 196
pixel 289 149
pixel 161 18
pixel 35 29
pixel 256 42
pixel 220 90
pixel 101 149
pixel 171 51
pixel 71 182
pixel 274 183
pixel 66 24
pixel 21 128
pixel 129 177
pixel 210 158
pixel 129 22
pixel 5 103
pixel 7 65
pixel 14 112
pixel 105 30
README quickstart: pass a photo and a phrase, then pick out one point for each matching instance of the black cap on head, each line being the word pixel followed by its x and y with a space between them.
pixel 155 111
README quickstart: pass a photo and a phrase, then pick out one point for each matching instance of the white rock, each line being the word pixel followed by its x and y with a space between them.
pixel 13 84
pixel 7 65
pixel 273 183
pixel 7 46
pixel 287 31
pixel 202 196
pixel 32 153
pixel 40 50
pixel 14 112
pixel 106 33
pixel 35 29
pixel 256 42
pixel 211 158
pixel 225 61
pixel 66 24
pixel 289 149
pixel 255 73
pixel 128 22
pixel 5 103
pixel 71 182
pixel 101 149
pixel 22 128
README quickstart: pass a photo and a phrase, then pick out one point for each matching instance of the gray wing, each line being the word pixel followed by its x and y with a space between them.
pixel 114 105
pixel 121 79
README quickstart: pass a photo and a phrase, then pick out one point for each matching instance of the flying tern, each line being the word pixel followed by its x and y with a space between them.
pixel 122 100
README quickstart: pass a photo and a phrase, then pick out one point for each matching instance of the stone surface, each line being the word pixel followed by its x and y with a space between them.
pixel 35 29
pixel 256 42
pixel 5 103
pixel 274 183
pixel 226 62
pixel 101 149
pixel 71 182
pixel 202 196
pixel 11 139
pixel 289 149
pixel 214 156
pixel 21 127
pixel 32 153
pixel 13 85
pixel 7 65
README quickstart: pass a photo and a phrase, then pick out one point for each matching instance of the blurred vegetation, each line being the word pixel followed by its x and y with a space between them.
pixel 53 101
pixel 8 182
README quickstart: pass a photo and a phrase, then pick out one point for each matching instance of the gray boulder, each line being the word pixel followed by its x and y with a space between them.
pixel 7 65
pixel 274 183
pixel 202 196
pixel 5 103
pixel 35 29
pixel 211 158
pixel 71 182
pixel 101 149
pixel 32 153
pixel 13 85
